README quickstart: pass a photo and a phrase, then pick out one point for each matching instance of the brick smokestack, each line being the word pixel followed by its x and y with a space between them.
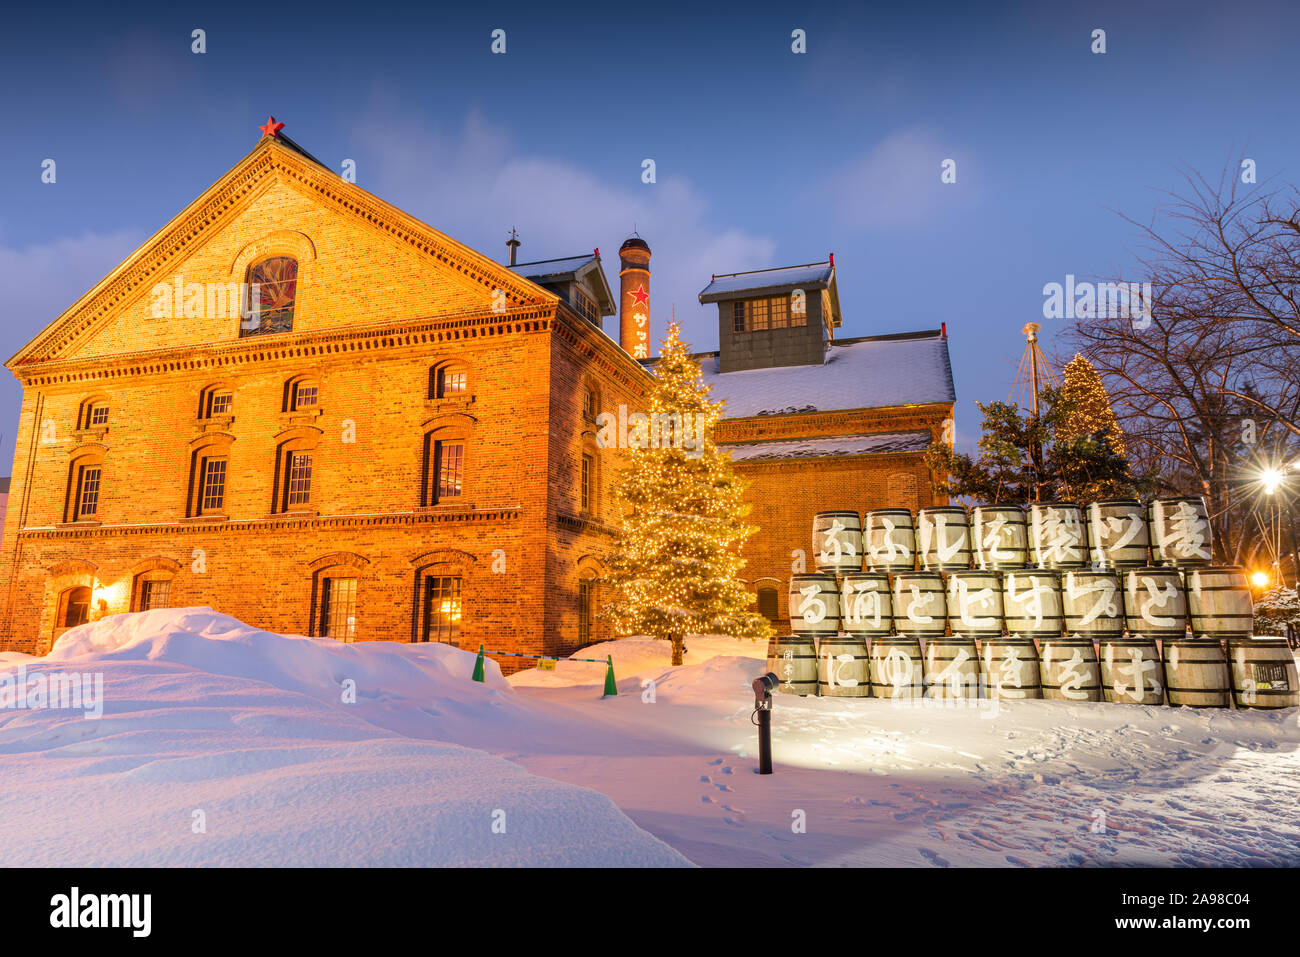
pixel 634 297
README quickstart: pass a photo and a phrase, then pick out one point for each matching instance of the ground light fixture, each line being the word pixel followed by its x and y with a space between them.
pixel 763 686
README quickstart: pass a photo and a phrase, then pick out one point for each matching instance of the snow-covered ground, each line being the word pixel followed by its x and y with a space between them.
pixel 203 713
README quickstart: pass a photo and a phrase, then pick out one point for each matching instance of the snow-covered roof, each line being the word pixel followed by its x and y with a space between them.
pixel 546 268
pixel 864 373
pixel 865 444
pixel 568 269
pixel 810 276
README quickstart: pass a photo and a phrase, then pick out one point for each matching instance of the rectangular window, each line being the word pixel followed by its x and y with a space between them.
pixel 339 609
pixel 757 313
pixel 780 308
pixel 155 593
pixel 738 316
pixel 585 595
pixel 299 486
pixel 448 465
pixel 586 306
pixel 88 491
pixel 221 403
pixel 305 395
pixel 442 608
pixel 452 383
pixel 212 491
pixel 98 415
pixel 586 482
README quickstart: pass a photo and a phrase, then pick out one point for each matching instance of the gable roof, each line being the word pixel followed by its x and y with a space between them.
pixel 780 280
pixel 568 269
pixel 271 159
pixel 870 443
pixel 865 373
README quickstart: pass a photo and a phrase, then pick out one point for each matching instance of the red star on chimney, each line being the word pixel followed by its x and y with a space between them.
pixel 272 127
pixel 640 296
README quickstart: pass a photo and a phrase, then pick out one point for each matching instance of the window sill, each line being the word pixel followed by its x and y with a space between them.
pixel 303 417
pixel 295 513
pixel 451 402
pixel 445 507
pixel 216 422
pixel 81 523
pixel 213 517
pixel 82 436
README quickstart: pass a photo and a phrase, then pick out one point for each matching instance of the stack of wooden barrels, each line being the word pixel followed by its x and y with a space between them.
pixel 1118 602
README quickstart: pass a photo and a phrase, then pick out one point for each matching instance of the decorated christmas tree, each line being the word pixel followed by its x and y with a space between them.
pixel 1085 407
pixel 674 571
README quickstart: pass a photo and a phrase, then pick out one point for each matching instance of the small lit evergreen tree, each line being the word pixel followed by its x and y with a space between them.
pixel 674 569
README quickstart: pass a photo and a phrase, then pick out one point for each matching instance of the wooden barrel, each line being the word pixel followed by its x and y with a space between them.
pixel 1263 673
pixel 1181 530
pixel 919 607
pixel 1219 603
pixel 814 604
pixel 1031 601
pixel 866 605
pixel 1196 673
pixel 1092 604
pixel 952 668
pixel 795 665
pixel 896 667
pixel 890 540
pixel 842 667
pixel 943 538
pixel 975 603
pixel 1069 669
pixel 1010 667
pixel 1131 671
pixel 1056 535
pixel 1155 605
pixel 837 542
pixel 1118 534
pixel 999 537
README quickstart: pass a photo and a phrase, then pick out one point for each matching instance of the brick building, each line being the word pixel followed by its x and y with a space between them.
pixel 399 445
pixel 400 442
pixel 815 423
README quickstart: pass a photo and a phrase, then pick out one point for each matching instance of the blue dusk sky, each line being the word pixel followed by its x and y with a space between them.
pixel 763 157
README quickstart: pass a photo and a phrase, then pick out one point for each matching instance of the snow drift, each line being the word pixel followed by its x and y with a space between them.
pixel 221 744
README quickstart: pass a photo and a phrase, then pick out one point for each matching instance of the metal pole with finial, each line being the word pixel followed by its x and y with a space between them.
pixel 1032 375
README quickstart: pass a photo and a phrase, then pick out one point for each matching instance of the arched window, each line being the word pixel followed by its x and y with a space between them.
pixel 444 472
pixel 301 394
pixel 93 414
pixel 448 381
pixel 74 608
pixel 216 400
pixel 272 288
pixel 152 589
pixel 85 487
pixel 295 469
pixel 209 475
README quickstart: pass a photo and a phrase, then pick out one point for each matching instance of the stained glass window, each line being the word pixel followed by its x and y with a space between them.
pixel 272 285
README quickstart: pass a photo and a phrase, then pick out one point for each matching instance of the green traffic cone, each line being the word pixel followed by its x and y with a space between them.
pixel 478 665
pixel 610 686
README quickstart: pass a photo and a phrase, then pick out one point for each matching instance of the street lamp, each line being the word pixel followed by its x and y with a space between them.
pixel 1270 478
pixel 1259 579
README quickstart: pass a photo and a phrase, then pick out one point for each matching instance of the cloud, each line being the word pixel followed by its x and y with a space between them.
pixel 896 183
pixel 475 184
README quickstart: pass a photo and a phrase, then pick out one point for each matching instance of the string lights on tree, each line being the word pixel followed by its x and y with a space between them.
pixel 675 568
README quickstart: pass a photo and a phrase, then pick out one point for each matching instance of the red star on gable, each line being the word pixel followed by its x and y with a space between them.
pixel 272 127
pixel 640 296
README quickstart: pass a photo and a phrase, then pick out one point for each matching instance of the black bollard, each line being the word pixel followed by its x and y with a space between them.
pixel 763 708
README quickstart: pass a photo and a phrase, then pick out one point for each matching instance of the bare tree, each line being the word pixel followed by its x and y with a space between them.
pixel 1205 380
